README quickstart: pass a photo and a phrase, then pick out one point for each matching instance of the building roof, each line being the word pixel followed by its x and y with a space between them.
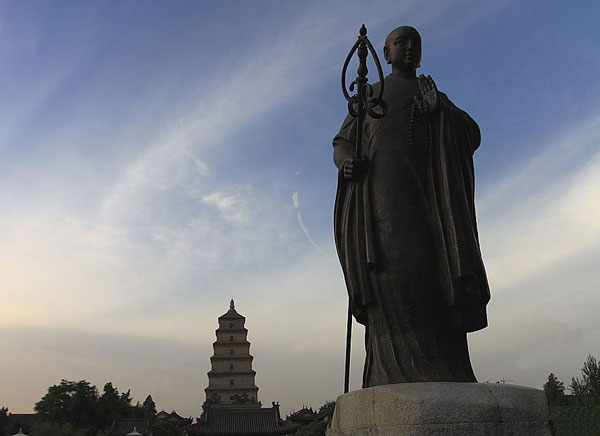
pixel 123 427
pixel 22 421
pixel 231 313
pixel 162 414
pixel 173 417
pixel 233 330
pixel 232 421
pixel 23 418
pixel 304 415
pixel 229 372
pixel 231 388
pixel 231 356
pixel 226 344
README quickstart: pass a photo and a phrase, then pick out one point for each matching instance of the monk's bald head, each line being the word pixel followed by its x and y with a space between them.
pixel 402 49
pixel 409 31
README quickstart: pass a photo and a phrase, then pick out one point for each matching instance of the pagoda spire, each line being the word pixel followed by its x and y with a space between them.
pixel 232 305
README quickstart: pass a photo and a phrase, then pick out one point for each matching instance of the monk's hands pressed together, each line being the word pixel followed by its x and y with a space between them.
pixel 429 94
pixel 355 169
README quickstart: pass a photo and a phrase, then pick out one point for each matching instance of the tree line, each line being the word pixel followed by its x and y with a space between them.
pixel 586 385
pixel 77 408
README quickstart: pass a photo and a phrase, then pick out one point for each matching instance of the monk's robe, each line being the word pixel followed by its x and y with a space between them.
pixel 427 287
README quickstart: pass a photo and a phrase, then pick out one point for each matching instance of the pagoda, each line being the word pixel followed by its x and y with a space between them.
pixel 232 407
pixel 231 378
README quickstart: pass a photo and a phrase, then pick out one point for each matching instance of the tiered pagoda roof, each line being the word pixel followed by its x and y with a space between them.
pixel 231 377
pixel 232 407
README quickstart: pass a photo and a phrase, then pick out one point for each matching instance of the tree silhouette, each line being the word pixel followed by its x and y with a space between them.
pixel 554 389
pixel 149 408
pixel 69 402
pixel 589 383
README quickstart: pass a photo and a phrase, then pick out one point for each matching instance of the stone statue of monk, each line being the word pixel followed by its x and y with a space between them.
pixel 428 286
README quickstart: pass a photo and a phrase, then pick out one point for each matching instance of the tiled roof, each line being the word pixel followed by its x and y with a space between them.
pixel 231 314
pixel 231 356
pixel 176 415
pixel 122 427
pixel 162 414
pixel 303 415
pixel 242 421
pixel 234 330
pixel 231 388
pixel 225 342
pixel 173 417
pixel 231 372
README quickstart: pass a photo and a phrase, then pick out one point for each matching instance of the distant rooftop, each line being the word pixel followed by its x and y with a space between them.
pixel 241 421
pixel 132 427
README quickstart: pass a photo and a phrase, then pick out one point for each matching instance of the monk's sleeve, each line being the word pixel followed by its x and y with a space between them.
pixel 344 142
pixel 470 130
pixel 465 127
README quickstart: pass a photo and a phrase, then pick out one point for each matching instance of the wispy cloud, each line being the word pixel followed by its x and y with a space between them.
pixel 296 201
pixel 546 210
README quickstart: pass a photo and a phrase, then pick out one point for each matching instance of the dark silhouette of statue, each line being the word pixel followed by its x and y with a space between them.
pixel 427 287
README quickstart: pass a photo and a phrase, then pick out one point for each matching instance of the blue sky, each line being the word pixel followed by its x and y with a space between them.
pixel 159 158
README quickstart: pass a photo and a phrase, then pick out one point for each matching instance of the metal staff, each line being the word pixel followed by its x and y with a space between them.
pixel 359 105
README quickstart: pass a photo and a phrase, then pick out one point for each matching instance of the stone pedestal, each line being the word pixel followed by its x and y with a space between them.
pixel 441 409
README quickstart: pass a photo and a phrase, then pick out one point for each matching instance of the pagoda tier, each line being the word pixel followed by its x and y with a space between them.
pixel 231 378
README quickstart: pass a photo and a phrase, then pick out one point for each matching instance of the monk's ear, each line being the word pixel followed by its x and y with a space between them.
pixel 386 54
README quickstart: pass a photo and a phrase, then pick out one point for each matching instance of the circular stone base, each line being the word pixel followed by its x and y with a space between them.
pixel 436 409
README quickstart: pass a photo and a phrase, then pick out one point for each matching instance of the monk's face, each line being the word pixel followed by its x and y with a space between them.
pixel 403 49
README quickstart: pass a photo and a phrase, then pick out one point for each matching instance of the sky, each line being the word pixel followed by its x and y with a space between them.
pixel 160 158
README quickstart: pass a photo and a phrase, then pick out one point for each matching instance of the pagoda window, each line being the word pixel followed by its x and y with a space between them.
pixel 230 381
pixel 231 338
pixel 231 325
pixel 231 366
pixel 230 351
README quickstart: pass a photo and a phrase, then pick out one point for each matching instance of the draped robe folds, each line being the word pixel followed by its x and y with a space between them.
pixel 429 286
